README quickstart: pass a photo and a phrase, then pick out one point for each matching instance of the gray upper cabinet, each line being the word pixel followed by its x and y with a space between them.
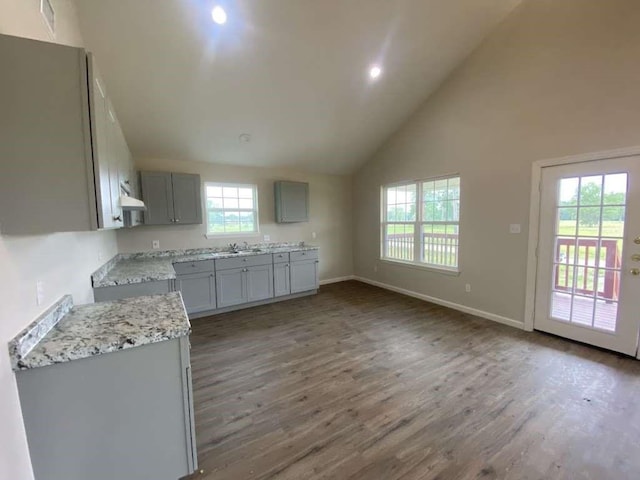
pixel 157 193
pixel 171 198
pixel 62 149
pixel 291 201
pixel 186 198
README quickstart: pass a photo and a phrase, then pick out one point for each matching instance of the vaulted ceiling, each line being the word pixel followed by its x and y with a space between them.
pixel 293 74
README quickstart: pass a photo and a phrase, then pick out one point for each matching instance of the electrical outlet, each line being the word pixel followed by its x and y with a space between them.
pixel 100 256
pixel 467 287
pixel 155 244
pixel 375 268
pixel 267 238
pixel 39 292
pixel 313 235
pixel 515 228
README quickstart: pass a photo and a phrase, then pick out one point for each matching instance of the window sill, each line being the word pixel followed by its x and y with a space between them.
pixel 419 266
pixel 218 236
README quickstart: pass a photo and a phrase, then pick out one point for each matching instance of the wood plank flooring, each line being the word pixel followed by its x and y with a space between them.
pixel 361 383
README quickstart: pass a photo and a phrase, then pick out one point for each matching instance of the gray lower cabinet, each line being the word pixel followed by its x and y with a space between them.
pixel 231 287
pixel 198 291
pixel 126 414
pixel 304 276
pixel 259 282
pixel 250 283
pixel 281 279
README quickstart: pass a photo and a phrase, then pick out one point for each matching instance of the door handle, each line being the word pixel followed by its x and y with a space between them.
pixel 635 257
pixel 635 271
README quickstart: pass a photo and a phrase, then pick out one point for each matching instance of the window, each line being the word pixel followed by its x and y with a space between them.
pixel 420 222
pixel 232 209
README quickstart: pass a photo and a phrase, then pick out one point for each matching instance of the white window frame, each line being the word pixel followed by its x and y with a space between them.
pixel 418 224
pixel 254 210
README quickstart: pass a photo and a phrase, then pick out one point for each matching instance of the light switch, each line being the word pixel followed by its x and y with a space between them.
pixel 515 228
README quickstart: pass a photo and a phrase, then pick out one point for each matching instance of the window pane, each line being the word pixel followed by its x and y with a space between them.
pixel 569 191
pixel 245 192
pixel 591 190
pixel 214 191
pixel 454 188
pixel 246 203
pixel 223 202
pixel 615 189
pixel 399 241
pixel 440 245
pixel 567 221
pixel 230 192
pixel 231 203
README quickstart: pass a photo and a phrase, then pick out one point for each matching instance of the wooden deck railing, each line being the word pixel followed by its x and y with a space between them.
pixel 587 253
pixel 439 248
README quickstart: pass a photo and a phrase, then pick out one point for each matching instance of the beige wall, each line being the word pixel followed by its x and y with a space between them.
pixel 556 78
pixel 330 214
pixel 63 262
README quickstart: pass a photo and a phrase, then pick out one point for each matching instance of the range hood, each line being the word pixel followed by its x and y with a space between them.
pixel 130 203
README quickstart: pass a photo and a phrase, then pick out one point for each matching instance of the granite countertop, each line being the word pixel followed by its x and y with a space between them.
pixel 66 332
pixel 126 269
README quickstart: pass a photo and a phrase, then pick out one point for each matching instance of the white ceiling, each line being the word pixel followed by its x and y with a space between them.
pixel 292 73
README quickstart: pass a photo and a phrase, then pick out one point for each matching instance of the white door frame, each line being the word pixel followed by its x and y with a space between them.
pixel 534 216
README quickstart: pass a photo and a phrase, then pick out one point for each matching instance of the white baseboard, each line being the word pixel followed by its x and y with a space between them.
pixel 337 279
pixel 445 303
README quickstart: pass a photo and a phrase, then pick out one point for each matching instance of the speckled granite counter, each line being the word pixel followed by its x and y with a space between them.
pixel 126 269
pixel 70 333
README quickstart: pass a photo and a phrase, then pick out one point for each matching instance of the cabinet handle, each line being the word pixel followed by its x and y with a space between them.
pixel 117 219
pixel 286 264
pixel 177 220
pixel 244 259
pixel 317 261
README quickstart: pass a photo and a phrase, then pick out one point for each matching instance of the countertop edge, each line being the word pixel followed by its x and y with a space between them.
pixel 179 256
pixel 25 341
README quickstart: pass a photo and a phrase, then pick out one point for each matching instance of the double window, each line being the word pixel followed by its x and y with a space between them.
pixel 232 209
pixel 420 222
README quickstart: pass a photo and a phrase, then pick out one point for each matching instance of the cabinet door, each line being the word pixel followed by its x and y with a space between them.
pixel 292 202
pixel 304 276
pixel 186 198
pixel 116 147
pixel 198 291
pixel 259 282
pixel 157 194
pixel 231 288
pixel 100 129
pixel 281 279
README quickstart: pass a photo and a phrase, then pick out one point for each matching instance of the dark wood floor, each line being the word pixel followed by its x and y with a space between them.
pixel 361 383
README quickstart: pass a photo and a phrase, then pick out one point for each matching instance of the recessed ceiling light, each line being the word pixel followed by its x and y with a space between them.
pixel 219 15
pixel 375 71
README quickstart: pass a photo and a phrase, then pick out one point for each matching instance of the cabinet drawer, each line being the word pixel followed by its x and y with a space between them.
pixel 243 261
pixel 281 257
pixel 193 267
pixel 304 255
